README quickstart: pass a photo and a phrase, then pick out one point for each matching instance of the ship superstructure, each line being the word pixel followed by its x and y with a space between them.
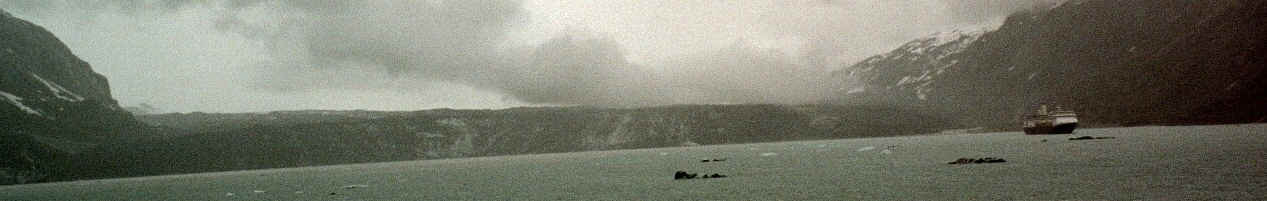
pixel 1058 121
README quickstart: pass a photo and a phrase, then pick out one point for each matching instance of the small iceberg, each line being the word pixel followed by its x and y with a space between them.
pixel 869 148
pixel 769 154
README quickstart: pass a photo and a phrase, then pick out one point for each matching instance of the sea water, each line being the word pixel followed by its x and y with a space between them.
pixel 1224 162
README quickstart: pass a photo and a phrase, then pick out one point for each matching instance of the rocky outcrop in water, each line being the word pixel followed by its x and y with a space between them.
pixel 1090 138
pixel 962 161
pixel 680 175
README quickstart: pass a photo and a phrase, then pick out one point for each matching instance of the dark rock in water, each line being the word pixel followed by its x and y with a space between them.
pixel 713 160
pixel 683 175
pixel 977 160
pixel 990 160
pixel 1090 138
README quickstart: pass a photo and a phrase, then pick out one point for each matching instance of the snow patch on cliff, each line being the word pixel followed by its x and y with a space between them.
pixel 58 90
pixel 452 122
pixel 17 102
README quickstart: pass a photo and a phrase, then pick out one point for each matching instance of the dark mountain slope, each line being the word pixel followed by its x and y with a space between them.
pixel 52 104
pixel 1115 62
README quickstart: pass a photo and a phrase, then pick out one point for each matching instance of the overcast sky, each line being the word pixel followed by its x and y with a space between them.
pixel 265 55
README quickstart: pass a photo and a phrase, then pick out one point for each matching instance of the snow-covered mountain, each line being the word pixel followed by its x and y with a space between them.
pixel 1114 62
pixel 912 67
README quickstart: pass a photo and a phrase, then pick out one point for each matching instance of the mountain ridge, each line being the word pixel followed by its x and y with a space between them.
pixel 1117 63
pixel 305 138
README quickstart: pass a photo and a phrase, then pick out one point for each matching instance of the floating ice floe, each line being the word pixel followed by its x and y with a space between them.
pixel 886 151
pixel 664 154
pixel 258 191
pixel 869 148
pixel 856 90
pixel 769 154
pixel 228 194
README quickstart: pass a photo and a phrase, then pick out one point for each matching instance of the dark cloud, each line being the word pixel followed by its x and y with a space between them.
pixel 444 40
pixel 967 11
pixel 355 46
pixel 620 53
pixel 575 69
pixel 743 73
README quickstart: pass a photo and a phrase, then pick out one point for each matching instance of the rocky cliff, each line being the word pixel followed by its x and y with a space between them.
pixel 52 104
pixel 1115 62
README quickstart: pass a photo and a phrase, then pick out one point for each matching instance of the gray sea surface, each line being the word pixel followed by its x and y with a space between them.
pixel 1223 162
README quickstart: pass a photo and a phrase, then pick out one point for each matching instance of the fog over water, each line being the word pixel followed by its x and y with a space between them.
pixel 261 55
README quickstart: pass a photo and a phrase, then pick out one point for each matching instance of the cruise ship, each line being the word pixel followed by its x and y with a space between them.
pixel 1056 121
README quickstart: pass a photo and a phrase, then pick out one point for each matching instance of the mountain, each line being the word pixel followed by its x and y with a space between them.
pixel 52 104
pixel 909 69
pixel 1124 62
pixel 306 138
pixel 199 122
